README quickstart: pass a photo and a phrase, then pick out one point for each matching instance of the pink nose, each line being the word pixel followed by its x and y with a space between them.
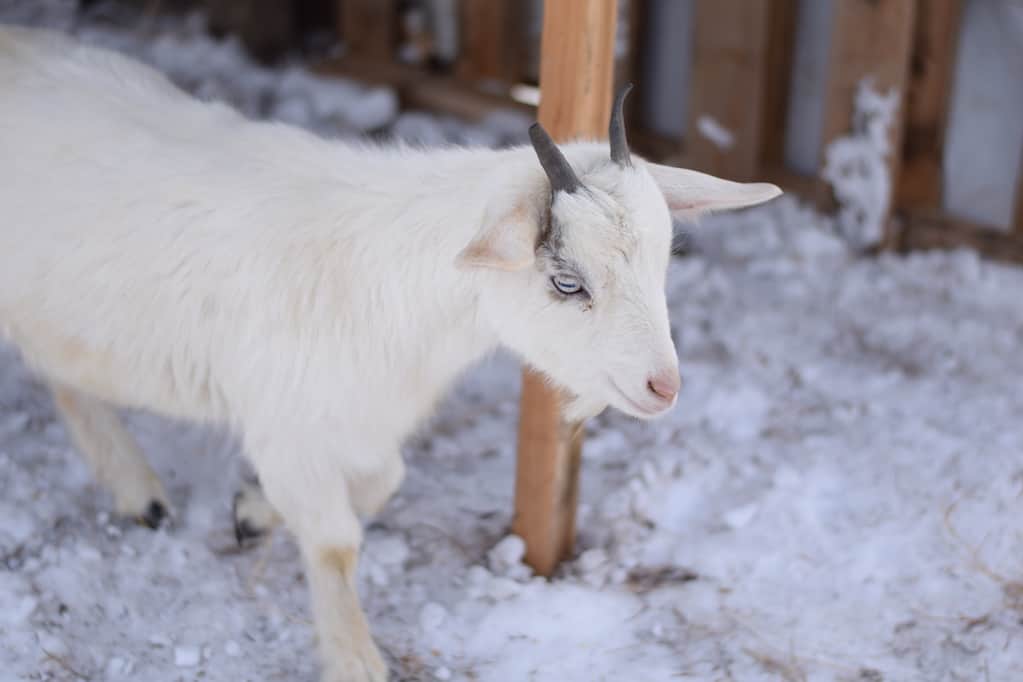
pixel 665 384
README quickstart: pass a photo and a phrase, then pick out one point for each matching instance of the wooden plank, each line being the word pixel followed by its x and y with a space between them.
pixel 870 38
pixel 932 230
pixel 628 63
pixel 420 90
pixel 935 38
pixel 491 37
pixel 781 36
pixel 629 68
pixel 729 83
pixel 575 78
pixel 546 476
pixel 576 71
pixel 369 28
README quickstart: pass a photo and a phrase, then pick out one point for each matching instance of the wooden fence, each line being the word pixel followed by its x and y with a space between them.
pixel 740 77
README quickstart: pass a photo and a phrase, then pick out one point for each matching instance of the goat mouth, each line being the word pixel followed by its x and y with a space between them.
pixel 639 408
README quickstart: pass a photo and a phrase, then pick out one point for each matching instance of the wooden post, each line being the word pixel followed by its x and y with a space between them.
pixel 369 28
pixel 781 36
pixel 729 87
pixel 628 63
pixel 576 71
pixel 492 36
pixel 869 38
pixel 935 38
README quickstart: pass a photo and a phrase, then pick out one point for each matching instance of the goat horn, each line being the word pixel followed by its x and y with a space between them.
pixel 616 130
pixel 561 175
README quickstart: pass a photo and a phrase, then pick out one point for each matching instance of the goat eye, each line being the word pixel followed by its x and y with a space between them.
pixel 567 285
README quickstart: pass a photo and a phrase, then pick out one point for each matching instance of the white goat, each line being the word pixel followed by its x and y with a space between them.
pixel 317 297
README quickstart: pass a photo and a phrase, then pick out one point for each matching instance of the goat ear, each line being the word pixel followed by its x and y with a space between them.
pixel 690 193
pixel 505 243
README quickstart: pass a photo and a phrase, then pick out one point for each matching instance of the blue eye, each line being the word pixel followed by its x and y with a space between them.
pixel 569 286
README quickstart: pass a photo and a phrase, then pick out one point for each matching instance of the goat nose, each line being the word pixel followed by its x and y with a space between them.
pixel 665 384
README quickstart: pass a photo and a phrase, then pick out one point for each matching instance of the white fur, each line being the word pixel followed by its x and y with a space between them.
pixel 317 297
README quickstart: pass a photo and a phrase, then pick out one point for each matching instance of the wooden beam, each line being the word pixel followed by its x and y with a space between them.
pixel 576 67
pixel 369 28
pixel 576 71
pixel 870 38
pixel 632 70
pixel 932 230
pixel 781 36
pixel 935 38
pixel 628 62
pixel 729 85
pixel 418 89
pixel 546 476
pixel 491 37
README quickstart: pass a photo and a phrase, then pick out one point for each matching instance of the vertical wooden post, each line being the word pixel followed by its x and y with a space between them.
pixel 730 75
pixel 781 36
pixel 576 71
pixel 369 28
pixel 930 89
pixel 869 38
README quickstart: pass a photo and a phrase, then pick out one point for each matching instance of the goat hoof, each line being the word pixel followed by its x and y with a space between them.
pixel 246 531
pixel 254 517
pixel 155 516
pixel 247 534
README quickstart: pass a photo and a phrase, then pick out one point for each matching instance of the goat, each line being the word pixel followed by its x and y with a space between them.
pixel 314 296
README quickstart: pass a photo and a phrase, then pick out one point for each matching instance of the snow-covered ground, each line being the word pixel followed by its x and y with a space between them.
pixel 838 495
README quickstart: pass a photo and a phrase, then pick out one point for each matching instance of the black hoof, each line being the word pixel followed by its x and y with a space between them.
pixel 155 515
pixel 245 532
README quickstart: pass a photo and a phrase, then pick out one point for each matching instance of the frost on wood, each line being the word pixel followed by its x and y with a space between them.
pixel 856 167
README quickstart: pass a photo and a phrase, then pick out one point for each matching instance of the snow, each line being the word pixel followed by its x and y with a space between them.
pixel 856 167
pixel 187 656
pixel 837 496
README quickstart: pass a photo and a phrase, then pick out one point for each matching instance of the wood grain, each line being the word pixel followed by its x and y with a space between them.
pixel 870 39
pixel 369 28
pixel 492 34
pixel 577 67
pixel 547 476
pixel 935 37
pixel 729 85
pixel 781 30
